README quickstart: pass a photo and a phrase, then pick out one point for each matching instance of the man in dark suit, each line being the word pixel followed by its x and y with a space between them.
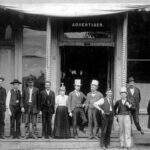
pixel 135 98
pixel 2 108
pixel 31 106
pixel 47 108
pixel 14 105
pixel 75 107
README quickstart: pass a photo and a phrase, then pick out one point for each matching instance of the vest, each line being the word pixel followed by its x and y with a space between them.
pixel 14 97
pixel 48 101
pixel 106 106
pixel 123 109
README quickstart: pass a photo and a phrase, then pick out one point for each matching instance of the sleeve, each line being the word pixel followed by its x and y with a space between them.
pixel 4 98
pixel 56 101
pixel 8 99
pixel 87 100
pixel 99 102
pixel 116 107
pixel 69 102
pixel 139 96
pixel 38 100
pixel 148 108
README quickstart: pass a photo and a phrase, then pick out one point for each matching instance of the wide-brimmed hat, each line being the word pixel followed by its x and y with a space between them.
pixel 123 89
pixel 130 79
pixel 77 82
pixel 15 81
pixel 94 82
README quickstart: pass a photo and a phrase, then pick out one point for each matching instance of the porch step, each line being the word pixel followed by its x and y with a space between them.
pixel 53 144
pixel 68 144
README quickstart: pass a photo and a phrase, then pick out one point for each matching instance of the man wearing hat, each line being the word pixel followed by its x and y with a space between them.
pixel 135 96
pixel 123 109
pixel 31 106
pixel 105 105
pixel 93 113
pixel 75 107
pixel 2 108
pixel 14 105
pixel 48 109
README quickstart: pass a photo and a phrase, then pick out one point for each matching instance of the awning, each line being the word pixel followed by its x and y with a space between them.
pixel 73 9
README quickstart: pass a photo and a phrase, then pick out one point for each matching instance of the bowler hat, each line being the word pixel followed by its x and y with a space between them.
pixel 130 79
pixel 15 81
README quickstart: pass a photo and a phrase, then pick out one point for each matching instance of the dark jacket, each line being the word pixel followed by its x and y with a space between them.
pixel 47 102
pixel 148 111
pixel 122 109
pixel 2 99
pixel 15 99
pixel 135 98
pixel 35 105
pixel 75 101
pixel 106 106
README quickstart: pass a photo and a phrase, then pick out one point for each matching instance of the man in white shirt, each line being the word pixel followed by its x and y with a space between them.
pixel 31 106
pixel 105 105
pixel 14 106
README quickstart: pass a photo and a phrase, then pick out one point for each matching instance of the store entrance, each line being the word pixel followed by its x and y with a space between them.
pixel 87 63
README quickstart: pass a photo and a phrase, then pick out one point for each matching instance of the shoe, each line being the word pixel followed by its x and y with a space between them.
pixel 103 147
pixel 142 132
pixel 12 137
pixel 34 136
pixel 19 137
pixel 26 137
pixel 90 137
pixel 108 146
pixel 76 137
pixel 82 130
pixel 2 137
pixel 96 137
pixel 50 137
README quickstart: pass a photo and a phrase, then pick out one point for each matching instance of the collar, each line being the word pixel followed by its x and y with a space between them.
pixel 94 92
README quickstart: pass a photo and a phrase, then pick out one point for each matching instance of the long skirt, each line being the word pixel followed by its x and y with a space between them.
pixel 61 124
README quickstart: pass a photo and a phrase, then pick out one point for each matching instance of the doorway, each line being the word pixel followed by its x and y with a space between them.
pixel 87 63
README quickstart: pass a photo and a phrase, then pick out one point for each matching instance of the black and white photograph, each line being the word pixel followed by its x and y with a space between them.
pixel 74 74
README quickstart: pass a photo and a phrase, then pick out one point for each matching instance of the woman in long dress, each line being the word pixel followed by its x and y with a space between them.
pixel 61 124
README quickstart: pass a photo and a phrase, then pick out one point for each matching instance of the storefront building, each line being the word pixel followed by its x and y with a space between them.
pixel 108 47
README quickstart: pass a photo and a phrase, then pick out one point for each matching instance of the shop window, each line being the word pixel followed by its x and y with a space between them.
pixel 139 46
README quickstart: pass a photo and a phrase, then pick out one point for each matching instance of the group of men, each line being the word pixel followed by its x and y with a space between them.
pixel 31 102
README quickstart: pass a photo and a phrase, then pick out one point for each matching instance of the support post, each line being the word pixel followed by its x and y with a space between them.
pixel 48 50
pixel 124 50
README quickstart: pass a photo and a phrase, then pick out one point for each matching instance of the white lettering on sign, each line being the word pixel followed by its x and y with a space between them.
pixel 88 24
